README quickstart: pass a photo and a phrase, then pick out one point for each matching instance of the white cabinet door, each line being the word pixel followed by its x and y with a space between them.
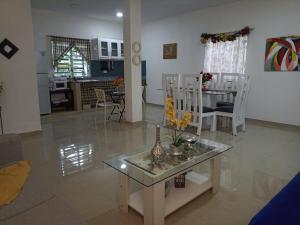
pixel 114 49
pixel 104 48
pixel 111 48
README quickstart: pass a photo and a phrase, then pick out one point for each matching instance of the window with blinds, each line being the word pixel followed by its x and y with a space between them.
pixel 71 57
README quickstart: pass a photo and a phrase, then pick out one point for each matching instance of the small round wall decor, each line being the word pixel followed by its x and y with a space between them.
pixel 136 60
pixel 136 47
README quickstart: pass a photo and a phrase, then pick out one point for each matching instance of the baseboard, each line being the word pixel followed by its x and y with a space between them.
pixel 274 124
pixel 31 133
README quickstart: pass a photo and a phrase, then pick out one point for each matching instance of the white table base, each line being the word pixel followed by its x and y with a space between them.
pixel 152 203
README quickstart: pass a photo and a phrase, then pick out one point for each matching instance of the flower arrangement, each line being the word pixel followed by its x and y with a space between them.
pixel 230 36
pixel 118 81
pixel 1 87
pixel 177 124
pixel 206 77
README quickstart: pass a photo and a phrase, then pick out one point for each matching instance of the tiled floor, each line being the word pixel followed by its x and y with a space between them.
pixel 67 158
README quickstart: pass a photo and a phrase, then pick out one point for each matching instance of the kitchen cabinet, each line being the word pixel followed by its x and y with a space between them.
pixel 107 49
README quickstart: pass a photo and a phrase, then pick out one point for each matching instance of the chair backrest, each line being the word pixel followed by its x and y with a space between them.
pixel 239 110
pixel 100 94
pixel 170 85
pixel 190 97
pixel 229 81
pixel 170 82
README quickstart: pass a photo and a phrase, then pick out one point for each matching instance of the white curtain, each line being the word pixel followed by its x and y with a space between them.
pixel 226 57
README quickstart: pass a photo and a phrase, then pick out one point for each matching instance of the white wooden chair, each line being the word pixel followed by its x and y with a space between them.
pixel 228 81
pixel 191 101
pixel 101 102
pixel 238 110
pixel 170 85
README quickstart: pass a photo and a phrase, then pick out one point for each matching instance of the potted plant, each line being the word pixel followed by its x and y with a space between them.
pixel 176 125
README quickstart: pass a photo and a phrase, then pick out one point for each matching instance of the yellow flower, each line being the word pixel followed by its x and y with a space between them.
pixel 171 116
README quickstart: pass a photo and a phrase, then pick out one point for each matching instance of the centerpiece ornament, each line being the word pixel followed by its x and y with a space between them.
pixel 177 126
pixel 157 153
pixel 205 78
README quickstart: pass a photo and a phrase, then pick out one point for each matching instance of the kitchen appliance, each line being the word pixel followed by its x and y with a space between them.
pixel 59 83
pixel 43 91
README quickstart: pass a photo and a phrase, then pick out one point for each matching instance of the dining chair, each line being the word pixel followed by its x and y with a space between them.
pixel 170 85
pixel 143 100
pixel 102 102
pixel 238 110
pixel 191 101
pixel 228 81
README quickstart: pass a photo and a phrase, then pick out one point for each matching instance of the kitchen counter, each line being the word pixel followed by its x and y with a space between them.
pixel 84 94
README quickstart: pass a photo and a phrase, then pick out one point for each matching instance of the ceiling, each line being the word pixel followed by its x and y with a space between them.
pixel 106 9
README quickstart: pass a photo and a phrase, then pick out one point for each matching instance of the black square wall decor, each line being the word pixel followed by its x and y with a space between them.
pixel 7 48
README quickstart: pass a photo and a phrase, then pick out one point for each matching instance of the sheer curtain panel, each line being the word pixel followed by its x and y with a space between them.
pixel 226 57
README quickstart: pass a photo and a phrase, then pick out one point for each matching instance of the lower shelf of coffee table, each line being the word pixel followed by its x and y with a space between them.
pixel 195 185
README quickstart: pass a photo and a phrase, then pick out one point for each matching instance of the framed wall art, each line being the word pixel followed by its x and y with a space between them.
pixel 283 54
pixel 170 51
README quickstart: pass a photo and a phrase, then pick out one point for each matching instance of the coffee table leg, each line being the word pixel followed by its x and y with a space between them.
pixel 123 192
pixel 154 204
pixel 215 171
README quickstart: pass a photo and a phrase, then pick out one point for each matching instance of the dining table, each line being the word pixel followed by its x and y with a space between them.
pixel 211 95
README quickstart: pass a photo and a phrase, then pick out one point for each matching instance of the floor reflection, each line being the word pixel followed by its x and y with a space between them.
pixel 265 186
pixel 76 158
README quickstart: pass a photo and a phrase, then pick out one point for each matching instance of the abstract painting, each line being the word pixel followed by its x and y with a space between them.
pixel 283 54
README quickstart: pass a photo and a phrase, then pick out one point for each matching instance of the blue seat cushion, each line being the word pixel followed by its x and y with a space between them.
pixel 207 109
pixel 283 209
pixel 204 108
pixel 220 104
pixel 228 109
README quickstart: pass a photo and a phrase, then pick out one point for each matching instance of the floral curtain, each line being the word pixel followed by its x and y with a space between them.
pixel 61 45
pixel 226 57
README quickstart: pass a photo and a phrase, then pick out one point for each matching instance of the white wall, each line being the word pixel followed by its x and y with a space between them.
pixel 274 96
pixel 67 25
pixel 19 101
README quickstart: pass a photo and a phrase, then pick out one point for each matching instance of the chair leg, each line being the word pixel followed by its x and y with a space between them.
pixel 104 114
pixel 244 126
pixel 199 127
pixel 234 130
pixel 213 125
pixel 96 109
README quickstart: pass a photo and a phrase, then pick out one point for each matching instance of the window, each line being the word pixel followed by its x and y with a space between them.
pixel 71 57
pixel 72 64
pixel 226 57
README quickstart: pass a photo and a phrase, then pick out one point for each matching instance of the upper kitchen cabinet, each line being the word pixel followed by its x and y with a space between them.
pixel 107 49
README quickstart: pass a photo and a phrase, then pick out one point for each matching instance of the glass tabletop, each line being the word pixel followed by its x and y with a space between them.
pixel 219 92
pixel 139 167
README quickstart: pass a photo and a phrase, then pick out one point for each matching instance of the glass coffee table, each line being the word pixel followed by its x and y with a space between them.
pixel 152 201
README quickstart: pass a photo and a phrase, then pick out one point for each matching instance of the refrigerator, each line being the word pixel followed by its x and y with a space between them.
pixel 43 91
